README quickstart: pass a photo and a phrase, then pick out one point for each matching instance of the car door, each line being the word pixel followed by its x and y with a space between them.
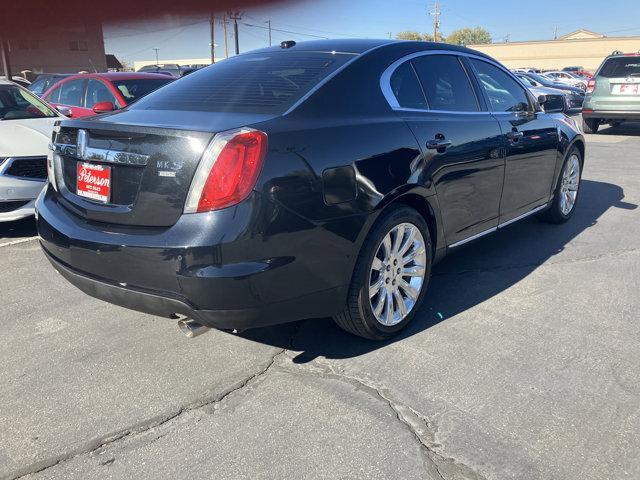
pixel 530 138
pixel 70 94
pixel 461 141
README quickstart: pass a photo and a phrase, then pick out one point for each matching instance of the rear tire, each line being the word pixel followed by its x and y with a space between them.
pixel 567 190
pixel 381 264
pixel 590 125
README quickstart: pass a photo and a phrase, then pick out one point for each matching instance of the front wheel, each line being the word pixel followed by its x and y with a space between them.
pixel 566 192
pixel 390 277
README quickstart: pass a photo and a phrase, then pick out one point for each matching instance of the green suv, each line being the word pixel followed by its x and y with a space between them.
pixel 613 94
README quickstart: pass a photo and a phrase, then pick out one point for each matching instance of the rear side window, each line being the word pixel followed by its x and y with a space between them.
pixel 258 83
pixel 406 87
pixel 620 67
pixel 503 92
pixel 445 83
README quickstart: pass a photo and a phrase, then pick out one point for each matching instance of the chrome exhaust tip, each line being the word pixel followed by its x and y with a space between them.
pixel 191 328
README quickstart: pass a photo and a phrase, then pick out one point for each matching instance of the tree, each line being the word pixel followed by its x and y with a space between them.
pixel 469 36
pixel 410 35
pixel 413 35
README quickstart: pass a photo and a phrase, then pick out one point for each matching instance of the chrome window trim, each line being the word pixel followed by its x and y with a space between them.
pixel 385 80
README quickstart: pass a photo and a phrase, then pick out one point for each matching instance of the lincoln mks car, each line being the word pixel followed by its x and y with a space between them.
pixel 319 179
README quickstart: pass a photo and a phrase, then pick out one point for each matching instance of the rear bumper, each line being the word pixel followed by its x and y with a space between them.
pixel 160 304
pixel 224 269
pixel 613 114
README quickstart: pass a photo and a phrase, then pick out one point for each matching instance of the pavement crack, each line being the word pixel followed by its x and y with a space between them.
pixel 421 429
pixel 140 428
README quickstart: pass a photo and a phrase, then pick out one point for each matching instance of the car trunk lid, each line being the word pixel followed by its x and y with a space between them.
pixel 140 174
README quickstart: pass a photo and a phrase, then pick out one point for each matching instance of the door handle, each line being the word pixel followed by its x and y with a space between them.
pixel 438 144
pixel 514 136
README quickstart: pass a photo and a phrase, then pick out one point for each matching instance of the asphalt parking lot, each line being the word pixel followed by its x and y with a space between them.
pixel 523 365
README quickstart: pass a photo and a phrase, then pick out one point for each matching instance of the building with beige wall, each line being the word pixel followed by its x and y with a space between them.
pixel 580 48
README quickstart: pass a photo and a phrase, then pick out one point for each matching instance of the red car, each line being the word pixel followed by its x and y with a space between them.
pixel 93 93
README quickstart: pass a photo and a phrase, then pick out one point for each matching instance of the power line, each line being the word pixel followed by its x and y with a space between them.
pixel 283 31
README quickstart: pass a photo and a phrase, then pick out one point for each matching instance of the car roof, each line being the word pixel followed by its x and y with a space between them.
pixel 358 46
pixel 119 76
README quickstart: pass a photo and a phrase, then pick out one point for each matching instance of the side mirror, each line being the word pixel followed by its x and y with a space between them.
pixel 103 107
pixel 66 111
pixel 551 103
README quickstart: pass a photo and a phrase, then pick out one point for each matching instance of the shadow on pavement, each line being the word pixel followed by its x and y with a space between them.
pixel 18 229
pixel 513 253
pixel 628 129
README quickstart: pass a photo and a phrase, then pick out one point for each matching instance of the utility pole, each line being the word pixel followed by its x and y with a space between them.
pixel 235 16
pixel 436 22
pixel 226 45
pixel 4 53
pixel 268 22
pixel 156 49
pixel 555 33
pixel 212 22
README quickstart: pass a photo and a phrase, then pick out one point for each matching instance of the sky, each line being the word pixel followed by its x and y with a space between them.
pixel 189 37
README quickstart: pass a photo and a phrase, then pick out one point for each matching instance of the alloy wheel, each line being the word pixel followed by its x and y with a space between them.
pixel 397 274
pixel 570 184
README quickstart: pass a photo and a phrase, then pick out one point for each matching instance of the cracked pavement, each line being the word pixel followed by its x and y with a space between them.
pixel 523 364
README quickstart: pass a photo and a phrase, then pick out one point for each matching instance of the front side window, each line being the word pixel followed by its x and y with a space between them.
pixel 503 92
pixel 16 103
pixel 71 93
pixel 98 92
pixel 445 83
pixel 406 87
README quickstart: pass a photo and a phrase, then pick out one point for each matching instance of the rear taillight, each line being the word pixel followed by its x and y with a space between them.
pixel 227 171
pixel 591 85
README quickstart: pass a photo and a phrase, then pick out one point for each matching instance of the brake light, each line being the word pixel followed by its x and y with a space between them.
pixel 591 85
pixel 227 171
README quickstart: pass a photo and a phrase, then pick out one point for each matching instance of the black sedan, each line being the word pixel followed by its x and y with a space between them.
pixel 306 180
pixel 575 95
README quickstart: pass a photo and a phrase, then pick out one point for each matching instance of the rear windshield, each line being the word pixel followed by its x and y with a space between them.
pixel 621 67
pixel 257 83
pixel 133 90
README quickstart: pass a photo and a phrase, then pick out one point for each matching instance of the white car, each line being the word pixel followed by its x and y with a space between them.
pixel 26 124
pixel 567 78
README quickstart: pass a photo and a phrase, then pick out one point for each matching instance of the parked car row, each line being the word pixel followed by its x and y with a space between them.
pixel 573 97
pixel 172 69
pixel 26 124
